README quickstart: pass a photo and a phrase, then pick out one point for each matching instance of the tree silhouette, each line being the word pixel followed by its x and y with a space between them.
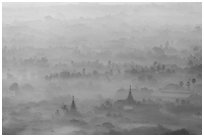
pixel 181 83
pixel 84 71
pixel 188 84
pixel 193 80
pixel 14 86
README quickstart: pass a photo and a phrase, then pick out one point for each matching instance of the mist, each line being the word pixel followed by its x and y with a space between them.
pixel 102 68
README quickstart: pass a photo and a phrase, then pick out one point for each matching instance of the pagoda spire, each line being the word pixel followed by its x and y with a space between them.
pixel 73 105
pixel 130 98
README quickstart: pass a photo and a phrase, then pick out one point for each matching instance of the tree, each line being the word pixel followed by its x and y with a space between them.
pixel 14 87
pixel 95 72
pixel 108 104
pixel 155 63
pixel 111 71
pixel 72 62
pixel 190 63
pixel 163 67
pixel 84 71
pixel 143 100
pixel 183 101
pixel 109 63
pixel 158 67
pixel 167 44
pixel 65 108
pixel 193 80
pixel 181 83
pixel 188 84
pixel 177 101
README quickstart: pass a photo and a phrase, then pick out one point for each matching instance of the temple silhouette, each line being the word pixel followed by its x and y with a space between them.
pixel 69 112
pixel 73 108
pixel 130 98
pixel 128 101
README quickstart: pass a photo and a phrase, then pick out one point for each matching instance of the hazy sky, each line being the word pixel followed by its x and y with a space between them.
pixel 28 11
pixel 96 24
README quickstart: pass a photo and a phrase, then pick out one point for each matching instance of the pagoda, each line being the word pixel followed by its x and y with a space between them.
pixel 130 98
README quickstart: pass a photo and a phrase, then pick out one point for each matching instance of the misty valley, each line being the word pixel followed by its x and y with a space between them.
pixel 102 69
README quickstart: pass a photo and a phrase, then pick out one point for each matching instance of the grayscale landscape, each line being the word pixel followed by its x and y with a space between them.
pixel 102 68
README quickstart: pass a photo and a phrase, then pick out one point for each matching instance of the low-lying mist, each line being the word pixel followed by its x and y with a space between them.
pixel 102 68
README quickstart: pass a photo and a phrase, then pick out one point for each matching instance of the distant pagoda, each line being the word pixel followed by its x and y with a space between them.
pixel 73 106
pixel 130 98
pixel 73 112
